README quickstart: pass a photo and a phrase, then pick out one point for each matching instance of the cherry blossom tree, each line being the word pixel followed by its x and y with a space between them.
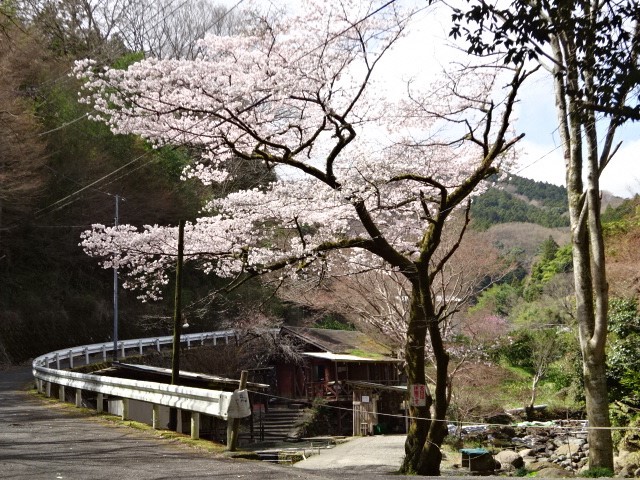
pixel 358 170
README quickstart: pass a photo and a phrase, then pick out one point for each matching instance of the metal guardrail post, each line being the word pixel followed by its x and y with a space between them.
pixel 195 425
pixel 140 346
pixel 78 397
pixel 155 416
pixel 57 358
pixel 104 353
pixel 100 403
pixel 125 408
pixel 86 356
pixel 70 358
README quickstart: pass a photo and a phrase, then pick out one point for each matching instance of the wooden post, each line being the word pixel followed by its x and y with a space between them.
pixel 233 425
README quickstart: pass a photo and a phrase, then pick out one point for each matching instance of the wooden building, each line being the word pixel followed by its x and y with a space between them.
pixel 346 368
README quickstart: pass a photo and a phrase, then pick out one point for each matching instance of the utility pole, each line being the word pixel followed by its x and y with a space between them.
pixel 115 295
pixel 177 324
pixel 233 424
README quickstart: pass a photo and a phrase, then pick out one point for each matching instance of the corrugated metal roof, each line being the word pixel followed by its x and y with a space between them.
pixel 343 357
pixel 347 342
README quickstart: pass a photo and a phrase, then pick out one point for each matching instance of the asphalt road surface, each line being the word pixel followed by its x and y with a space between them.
pixel 39 440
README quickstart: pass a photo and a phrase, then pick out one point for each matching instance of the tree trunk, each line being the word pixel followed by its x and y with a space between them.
pixel 426 433
pixel 587 249
pixel 595 391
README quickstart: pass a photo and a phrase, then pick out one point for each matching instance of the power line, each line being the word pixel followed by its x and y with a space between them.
pixel 58 204
pixel 454 422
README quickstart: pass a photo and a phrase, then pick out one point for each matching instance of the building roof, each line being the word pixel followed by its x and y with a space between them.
pixel 147 372
pixel 340 345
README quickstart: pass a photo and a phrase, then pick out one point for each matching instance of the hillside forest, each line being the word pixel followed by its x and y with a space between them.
pixel 61 172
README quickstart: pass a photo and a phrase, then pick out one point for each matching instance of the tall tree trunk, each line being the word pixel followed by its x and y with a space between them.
pixel 426 433
pixel 587 248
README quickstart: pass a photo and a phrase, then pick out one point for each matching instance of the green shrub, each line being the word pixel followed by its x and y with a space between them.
pixel 597 472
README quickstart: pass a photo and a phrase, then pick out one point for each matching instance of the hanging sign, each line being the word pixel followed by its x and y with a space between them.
pixel 239 406
pixel 418 395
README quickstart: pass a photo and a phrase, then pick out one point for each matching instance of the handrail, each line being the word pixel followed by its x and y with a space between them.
pixel 139 343
pixel 211 402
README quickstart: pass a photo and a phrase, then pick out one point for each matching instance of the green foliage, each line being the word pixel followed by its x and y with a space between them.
pixel 627 210
pixel 499 206
pixel 519 199
pixel 542 312
pixel 517 350
pixel 499 299
pixel 623 317
pixel 549 195
pixel 623 355
pixel 331 322
pixel 128 59
pixel 523 472
pixel 551 264
pixel 597 472
pixel 548 249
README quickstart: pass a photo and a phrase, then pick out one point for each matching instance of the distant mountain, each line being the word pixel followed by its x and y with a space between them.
pixel 519 199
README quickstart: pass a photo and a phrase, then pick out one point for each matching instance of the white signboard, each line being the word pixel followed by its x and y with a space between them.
pixel 239 406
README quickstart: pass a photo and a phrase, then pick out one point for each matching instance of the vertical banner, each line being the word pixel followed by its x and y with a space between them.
pixel 418 395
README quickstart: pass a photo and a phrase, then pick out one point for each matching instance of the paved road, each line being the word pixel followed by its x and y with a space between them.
pixel 42 441
pixel 380 454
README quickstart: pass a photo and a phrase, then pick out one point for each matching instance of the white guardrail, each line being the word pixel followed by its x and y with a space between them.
pixel 47 371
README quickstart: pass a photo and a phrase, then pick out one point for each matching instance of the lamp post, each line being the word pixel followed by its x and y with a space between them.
pixel 115 295
pixel 177 325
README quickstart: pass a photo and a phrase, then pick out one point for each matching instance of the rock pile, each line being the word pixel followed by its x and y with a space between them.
pixel 627 462
pixel 565 446
pixel 557 445
pixel 537 445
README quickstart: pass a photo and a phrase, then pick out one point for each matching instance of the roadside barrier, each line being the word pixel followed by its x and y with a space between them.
pixel 48 371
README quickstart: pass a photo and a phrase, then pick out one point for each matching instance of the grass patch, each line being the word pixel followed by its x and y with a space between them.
pixel 597 472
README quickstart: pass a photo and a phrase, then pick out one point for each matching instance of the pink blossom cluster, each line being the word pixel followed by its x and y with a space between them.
pixel 356 170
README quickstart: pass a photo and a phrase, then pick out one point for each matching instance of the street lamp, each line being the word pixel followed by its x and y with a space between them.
pixel 177 326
